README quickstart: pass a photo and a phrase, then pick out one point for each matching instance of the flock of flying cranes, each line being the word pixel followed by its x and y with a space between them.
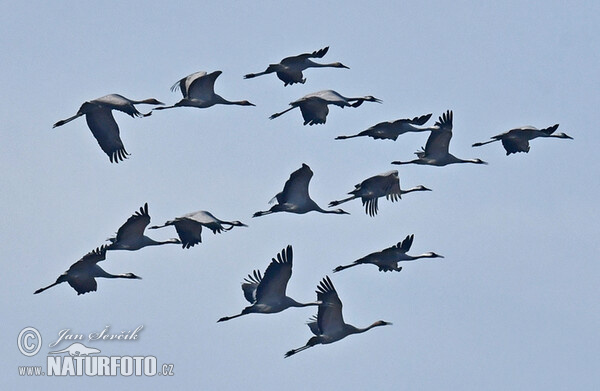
pixel 267 293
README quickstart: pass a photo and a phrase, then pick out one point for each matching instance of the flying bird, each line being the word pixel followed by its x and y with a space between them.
pixel 329 326
pixel 391 130
pixel 198 90
pixel 371 189
pixel 98 114
pixel 387 259
pixel 189 226
pixel 267 294
pixel 130 235
pixel 436 151
pixel 314 106
pixel 289 70
pixel 83 273
pixel 517 140
pixel 294 197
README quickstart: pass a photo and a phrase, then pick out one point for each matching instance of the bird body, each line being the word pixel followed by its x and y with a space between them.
pixel 198 90
pixel 436 151
pixel 98 115
pixel 517 140
pixel 267 294
pixel 391 130
pixel 130 235
pixel 189 226
pixel 387 259
pixel 82 275
pixel 314 106
pixel 294 197
pixel 289 70
pixel 371 189
pixel 329 326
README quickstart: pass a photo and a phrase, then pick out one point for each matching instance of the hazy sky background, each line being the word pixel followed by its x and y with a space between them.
pixel 515 302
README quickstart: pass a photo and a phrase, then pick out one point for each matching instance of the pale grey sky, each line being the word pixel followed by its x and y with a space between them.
pixel 514 303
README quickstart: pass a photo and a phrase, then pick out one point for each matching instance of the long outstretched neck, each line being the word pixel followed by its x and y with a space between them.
pixel 417 188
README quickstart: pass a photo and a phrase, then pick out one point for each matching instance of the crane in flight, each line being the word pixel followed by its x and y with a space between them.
pixel 294 197
pixel 289 70
pixel 98 114
pixel 436 151
pixel 82 275
pixel 314 106
pixel 267 294
pixel 189 226
pixel 391 130
pixel 387 259
pixel 517 139
pixel 329 326
pixel 371 189
pixel 198 90
pixel 130 235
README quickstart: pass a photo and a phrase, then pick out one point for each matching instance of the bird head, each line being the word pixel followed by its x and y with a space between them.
pixel 153 101
pixel 431 254
pixel 246 103
pixel 423 188
pixel 339 65
pixel 370 98
pixel 562 135
pixel 479 161
pixel 131 275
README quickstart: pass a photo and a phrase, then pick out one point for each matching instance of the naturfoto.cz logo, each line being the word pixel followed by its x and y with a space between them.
pixel 78 359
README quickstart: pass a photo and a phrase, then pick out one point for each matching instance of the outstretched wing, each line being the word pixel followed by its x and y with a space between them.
pixel 135 225
pixel 405 245
pixel 301 57
pixel 277 275
pixel 203 87
pixel 106 131
pixel 95 256
pixel 184 84
pixel 438 142
pixel 250 284
pixel 189 231
pixel 329 315
pixel 296 187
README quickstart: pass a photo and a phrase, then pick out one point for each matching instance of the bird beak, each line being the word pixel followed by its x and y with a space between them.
pixel 377 100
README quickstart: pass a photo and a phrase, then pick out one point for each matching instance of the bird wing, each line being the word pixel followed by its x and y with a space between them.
pixel 330 97
pixel 135 225
pixel 293 60
pixel 83 283
pixel 549 130
pixel 296 187
pixel 314 111
pixel 277 275
pixel 184 84
pixel 418 120
pixel 106 131
pixel 513 143
pixel 203 87
pixel 189 231
pixel 405 245
pixel 313 325
pixel 250 284
pixel 438 142
pixel 95 256
pixel 329 315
